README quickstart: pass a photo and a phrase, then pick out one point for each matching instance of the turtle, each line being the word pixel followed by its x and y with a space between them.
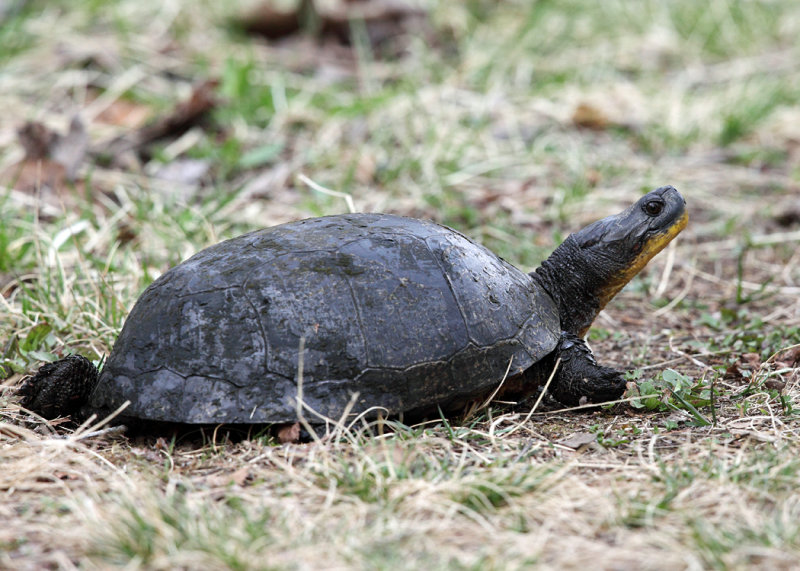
pixel 361 314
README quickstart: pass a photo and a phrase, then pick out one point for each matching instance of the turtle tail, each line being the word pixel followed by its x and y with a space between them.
pixel 60 388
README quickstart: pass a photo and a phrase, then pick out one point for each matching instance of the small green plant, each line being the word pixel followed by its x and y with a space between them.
pixel 612 439
pixel 672 390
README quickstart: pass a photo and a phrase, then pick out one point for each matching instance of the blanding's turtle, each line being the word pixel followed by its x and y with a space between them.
pixel 405 314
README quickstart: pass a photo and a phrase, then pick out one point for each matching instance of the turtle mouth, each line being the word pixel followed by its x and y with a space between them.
pixel 654 244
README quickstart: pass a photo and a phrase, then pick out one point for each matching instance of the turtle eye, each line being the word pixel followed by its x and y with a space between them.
pixel 653 207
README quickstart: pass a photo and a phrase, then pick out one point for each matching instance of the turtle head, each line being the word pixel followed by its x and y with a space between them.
pixel 595 263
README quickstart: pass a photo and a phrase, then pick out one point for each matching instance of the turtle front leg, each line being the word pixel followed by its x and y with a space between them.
pixel 59 388
pixel 579 379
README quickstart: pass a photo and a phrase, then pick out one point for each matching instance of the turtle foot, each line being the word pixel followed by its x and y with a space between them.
pixel 580 380
pixel 60 388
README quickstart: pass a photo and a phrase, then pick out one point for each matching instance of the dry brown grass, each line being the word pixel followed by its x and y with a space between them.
pixel 660 500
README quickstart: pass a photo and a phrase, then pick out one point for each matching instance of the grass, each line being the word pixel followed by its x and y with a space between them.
pixel 471 126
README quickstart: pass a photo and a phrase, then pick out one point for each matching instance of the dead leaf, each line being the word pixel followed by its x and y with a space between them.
pixel 789 357
pixel 42 143
pixel 124 113
pixel 588 116
pixel 382 20
pixel 734 373
pixel 264 20
pixel 126 233
pixel 752 360
pixel 775 385
pixel 186 115
pixel 39 174
pixel 37 140
pixel 631 320
pixel 51 160
pixel 577 440
pixel 620 105
pixel 240 476
pixel 289 433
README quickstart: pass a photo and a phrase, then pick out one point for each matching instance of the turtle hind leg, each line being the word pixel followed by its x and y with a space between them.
pixel 579 379
pixel 60 388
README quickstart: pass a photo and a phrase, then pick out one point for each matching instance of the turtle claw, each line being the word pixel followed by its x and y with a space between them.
pixel 59 388
pixel 580 380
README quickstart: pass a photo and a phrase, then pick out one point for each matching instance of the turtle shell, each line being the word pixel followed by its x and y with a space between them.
pixel 403 313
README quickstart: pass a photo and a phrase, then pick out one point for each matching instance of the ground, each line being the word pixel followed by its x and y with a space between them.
pixel 515 122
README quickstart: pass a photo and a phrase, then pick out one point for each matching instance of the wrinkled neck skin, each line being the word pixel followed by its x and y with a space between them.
pixel 573 279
